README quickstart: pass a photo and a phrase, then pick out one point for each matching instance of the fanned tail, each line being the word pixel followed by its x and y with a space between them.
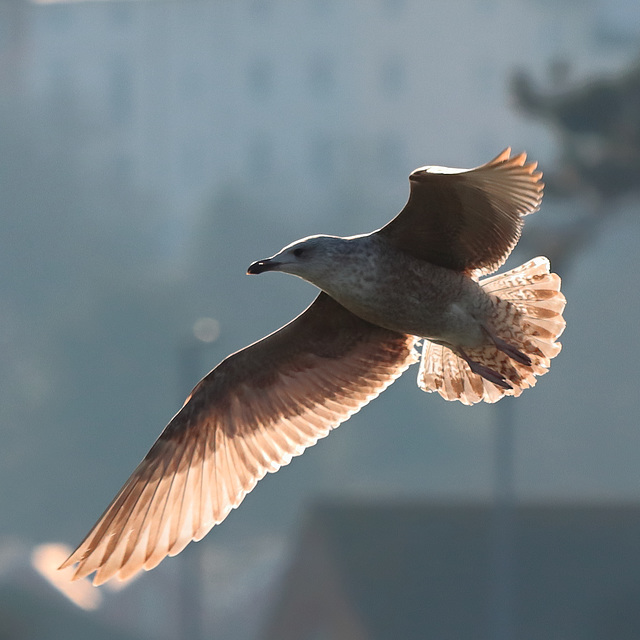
pixel 528 308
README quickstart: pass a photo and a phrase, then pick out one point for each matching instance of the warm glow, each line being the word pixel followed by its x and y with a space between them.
pixel 46 558
pixel 206 329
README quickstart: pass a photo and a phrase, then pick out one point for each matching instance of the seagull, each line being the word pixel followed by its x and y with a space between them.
pixel 415 280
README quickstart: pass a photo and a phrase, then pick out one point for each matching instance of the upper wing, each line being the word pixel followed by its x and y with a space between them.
pixel 255 411
pixel 467 219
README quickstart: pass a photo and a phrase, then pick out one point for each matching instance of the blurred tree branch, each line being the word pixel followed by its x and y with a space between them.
pixel 598 126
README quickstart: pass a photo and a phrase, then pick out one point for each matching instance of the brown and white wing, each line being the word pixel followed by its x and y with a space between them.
pixel 467 219
pixel 255 411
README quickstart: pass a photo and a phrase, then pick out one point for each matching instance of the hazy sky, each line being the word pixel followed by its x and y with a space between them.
pixel 97 303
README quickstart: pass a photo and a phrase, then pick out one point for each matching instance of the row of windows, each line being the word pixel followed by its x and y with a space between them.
pixel 324 156
pixel 324 161
pixel 62 15
pixel 259 77
pixel 119 82
pixel 262 9
pixel 119 12
pixel 322 77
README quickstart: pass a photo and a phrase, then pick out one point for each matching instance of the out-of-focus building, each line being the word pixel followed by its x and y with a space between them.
pixel 299 104
pixel 13 30
pixel 598 122
pixel 377 572
pixel 294 102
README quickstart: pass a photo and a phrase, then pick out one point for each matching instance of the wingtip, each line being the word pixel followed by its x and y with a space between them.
pixel 519 160
pixel 84 569
pixel 70 561
pixel 519 163
pixel 64 565
pixel 99 580
pixel 503 156
pixel 77 573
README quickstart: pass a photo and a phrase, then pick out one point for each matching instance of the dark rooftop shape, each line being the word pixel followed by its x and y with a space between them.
pixel 424 570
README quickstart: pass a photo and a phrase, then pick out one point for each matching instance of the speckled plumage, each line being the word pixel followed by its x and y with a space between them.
pixel 414 279
pixel 392 289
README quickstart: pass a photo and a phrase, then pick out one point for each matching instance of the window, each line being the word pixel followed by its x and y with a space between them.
pixel 260 78
pixel 120 13
pixel 120 94
pixel 391 154
pixel 321 7
pixel 191 82
pixel 394 8
pixel 323 157
pixel 321 76
pixel 260 158
pixel 392 77
pixel 121 170
pixel 61 16
pixel 193 162
pixel 261 9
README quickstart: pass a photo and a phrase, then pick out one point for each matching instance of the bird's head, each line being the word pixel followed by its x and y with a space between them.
pixel 310 259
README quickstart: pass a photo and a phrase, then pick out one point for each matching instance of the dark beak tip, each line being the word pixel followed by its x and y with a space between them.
pixel 259 267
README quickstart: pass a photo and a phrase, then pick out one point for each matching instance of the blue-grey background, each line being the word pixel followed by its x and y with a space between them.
pixel 150 150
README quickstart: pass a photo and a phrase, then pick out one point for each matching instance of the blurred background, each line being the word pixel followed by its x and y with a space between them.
pixel 151 149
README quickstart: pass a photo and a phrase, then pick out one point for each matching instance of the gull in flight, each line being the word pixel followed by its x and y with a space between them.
pixel 415 280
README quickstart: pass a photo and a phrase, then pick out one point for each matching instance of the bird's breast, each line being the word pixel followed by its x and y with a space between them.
pixel 414 297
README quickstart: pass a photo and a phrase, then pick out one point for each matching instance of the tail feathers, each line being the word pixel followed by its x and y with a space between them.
pixel 528 308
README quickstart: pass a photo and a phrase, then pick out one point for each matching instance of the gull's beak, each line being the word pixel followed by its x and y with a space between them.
pixel 262 265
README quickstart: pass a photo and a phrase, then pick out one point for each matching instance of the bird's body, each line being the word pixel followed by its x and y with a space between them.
pixel 387 287
pixel 418 278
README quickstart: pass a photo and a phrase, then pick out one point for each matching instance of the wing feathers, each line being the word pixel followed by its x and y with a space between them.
pixel 251 415
pixel 467 220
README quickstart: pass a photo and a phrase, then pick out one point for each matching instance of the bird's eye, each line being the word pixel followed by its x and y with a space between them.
pixel 298 252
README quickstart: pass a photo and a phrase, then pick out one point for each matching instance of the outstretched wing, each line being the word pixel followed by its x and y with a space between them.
pixel 467 219
pixel 255 411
